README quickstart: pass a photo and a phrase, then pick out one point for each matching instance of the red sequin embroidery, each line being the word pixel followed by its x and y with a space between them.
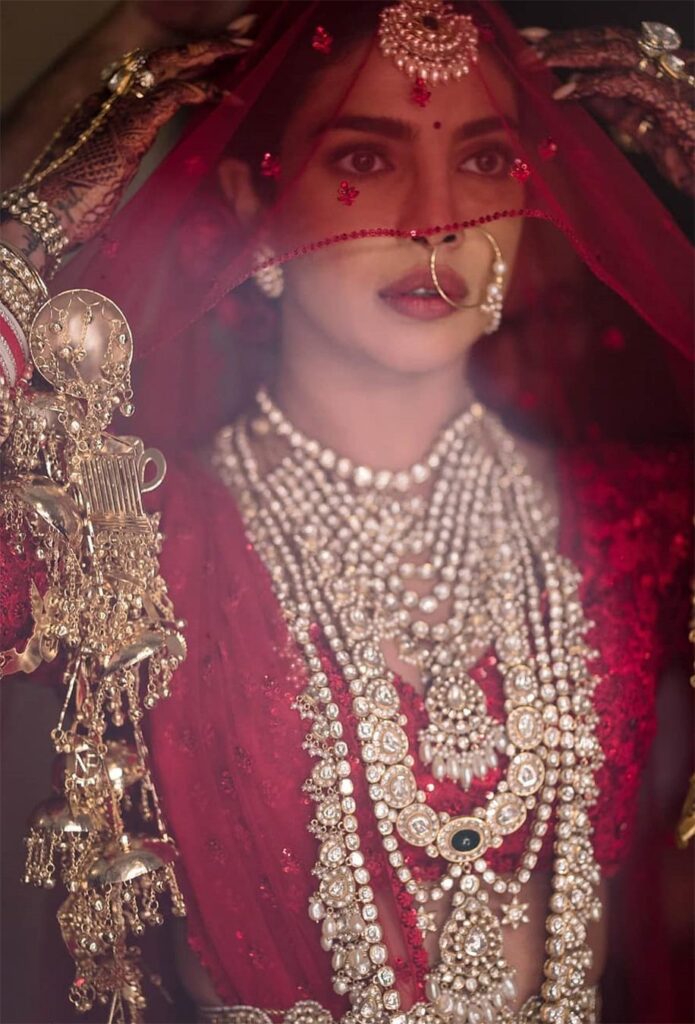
pixel 322 41
pixel 420 94
pixel 347 193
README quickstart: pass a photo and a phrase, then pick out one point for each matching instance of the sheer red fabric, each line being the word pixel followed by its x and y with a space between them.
pixel 591 356
pixel 227 746
pixel 602 265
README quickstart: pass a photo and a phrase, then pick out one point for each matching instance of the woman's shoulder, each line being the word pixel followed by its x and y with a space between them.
pixel 204 534
pixel 643 491
pixel 630 468
pixel 631 509
pixel 194 497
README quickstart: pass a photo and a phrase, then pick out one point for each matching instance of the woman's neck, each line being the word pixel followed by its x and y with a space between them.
pixel 372 415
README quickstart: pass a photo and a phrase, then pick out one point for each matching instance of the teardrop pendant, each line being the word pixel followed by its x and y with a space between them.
pixel 472 970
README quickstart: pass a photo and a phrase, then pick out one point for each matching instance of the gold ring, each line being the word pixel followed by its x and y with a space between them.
pixel 496 260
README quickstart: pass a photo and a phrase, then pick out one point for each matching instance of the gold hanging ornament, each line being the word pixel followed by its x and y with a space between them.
pixel 74 491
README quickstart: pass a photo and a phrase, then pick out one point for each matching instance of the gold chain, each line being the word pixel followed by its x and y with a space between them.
pixel 126 70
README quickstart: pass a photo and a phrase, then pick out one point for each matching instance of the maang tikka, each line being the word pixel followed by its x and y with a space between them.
pixel 428 40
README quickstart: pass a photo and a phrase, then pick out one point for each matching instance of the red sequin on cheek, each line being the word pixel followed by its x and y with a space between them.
pixel 347 193
pixel 519 170
pixel 547 149
pixel 270 166
pixel 322 41
pixel 420 94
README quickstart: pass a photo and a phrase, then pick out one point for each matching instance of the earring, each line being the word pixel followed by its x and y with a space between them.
pixel 494 290
pixel 269 278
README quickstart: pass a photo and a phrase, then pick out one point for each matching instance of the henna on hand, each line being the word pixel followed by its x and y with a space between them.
pixel 626 94
pixel 84 189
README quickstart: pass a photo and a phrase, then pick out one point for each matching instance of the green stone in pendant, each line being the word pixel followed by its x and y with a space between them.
pixel 463 839
pixel 466 840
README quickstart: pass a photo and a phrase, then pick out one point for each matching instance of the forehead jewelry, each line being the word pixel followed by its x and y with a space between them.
pixel 428 40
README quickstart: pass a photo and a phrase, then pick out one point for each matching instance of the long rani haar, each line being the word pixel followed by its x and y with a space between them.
pixel 342 544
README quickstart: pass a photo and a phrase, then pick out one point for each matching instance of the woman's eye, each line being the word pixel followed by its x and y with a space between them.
pixel 362 161
pixel 493 162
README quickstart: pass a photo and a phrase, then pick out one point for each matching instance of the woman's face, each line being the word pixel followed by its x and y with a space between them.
pixel 415 168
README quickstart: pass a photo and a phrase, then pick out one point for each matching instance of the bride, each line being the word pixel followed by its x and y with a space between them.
pixel 417 299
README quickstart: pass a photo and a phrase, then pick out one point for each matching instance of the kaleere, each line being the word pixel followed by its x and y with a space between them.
pixel 74 491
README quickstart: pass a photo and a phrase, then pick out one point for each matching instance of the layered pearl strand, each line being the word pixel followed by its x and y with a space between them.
pixel 332 550
pixel 440 527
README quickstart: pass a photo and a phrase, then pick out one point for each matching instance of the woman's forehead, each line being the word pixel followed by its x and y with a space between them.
pixel 367 83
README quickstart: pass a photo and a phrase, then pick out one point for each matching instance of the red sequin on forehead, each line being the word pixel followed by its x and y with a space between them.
pixel 547 149
pixel 420 94
pixel 270 166
pixel 322 41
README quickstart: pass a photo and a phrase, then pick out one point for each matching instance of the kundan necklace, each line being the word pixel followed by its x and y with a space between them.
pixel 359 556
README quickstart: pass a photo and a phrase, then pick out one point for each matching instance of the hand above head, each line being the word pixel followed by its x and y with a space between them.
pixel 637 84
pixel 95 155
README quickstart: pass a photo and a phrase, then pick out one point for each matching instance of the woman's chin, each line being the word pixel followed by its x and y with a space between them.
pixel 400 356
pixel 417 349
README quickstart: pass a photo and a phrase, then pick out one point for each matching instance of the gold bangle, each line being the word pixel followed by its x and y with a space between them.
pixel 21 286
pixel 33 212
pixel 23 269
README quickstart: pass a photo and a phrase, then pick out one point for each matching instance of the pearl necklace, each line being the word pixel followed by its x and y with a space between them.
pixel 345 469
pixel 328 548
pixel 463 741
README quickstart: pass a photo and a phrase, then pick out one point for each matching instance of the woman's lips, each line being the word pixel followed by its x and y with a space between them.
pixel 414 294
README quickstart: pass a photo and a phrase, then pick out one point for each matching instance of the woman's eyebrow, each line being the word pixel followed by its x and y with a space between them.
pixel 484 126
pixel 391 127
pixel 405 131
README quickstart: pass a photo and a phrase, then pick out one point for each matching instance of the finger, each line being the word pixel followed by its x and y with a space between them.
pixel 611 53
pixel 171 62
pixel 661 100
pixel 584 38
pixel 590 48
pixel 198 91
pixel 182 92
pixel 651 93
pixel 534 34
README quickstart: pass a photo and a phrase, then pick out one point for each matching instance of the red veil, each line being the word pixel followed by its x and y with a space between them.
pixel 591 355
pixel 585 208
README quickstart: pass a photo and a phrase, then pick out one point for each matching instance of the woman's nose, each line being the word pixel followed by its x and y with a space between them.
pixel 429 206
pixel 428 241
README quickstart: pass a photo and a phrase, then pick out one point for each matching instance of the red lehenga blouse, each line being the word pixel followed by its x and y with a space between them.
pixel 227 746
